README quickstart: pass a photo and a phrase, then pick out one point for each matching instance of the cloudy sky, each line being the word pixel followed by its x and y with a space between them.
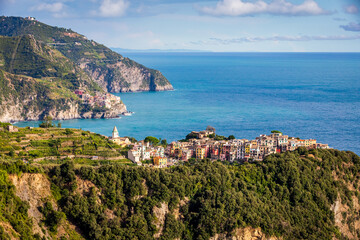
pixel 215 25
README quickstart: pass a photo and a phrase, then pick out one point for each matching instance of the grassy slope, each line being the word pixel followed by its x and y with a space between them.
pixel 52 146
pixel 73 45
pixel 26 56
pixel 31 68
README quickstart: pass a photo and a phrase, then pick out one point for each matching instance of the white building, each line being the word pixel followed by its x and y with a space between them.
pixel 115 133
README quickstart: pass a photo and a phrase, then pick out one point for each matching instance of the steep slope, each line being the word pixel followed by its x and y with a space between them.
pixel 37 80
pixel 110 70
pixel 296 195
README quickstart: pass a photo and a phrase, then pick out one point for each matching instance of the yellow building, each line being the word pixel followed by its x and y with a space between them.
pixel 310 142
pixel 200 153
pixel 247 149
pixel 160 161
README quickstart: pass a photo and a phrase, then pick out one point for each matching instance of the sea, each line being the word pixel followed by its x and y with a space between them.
pixel 306 95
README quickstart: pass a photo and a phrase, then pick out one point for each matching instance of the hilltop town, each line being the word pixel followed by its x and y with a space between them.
pixel 206 144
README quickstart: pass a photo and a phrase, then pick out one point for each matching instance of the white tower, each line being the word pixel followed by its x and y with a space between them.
pixel 115 133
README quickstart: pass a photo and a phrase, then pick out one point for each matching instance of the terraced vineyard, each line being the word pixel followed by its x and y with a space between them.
pixel 53 146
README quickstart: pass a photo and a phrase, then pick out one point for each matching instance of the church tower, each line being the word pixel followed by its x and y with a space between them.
pixel 115 133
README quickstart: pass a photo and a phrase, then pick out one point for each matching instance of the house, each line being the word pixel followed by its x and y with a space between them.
pixel 187 154
pixel 30 18
pixel 11 128
pixel 122 141
pixel 160 161
pixel 79 92
pixel 200 152
pixel 135 154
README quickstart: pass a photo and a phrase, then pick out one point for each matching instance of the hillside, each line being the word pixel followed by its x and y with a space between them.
pixel 295 195
pixel 37 80
pixel 56 145
pixel 110 70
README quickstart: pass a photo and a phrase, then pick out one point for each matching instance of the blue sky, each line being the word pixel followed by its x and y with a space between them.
pixel 215 25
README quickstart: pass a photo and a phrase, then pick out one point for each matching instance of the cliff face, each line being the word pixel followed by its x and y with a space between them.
pixel 112 71
pixel 35 190
pixel 38 81
pixel 247 233
pixel 121 77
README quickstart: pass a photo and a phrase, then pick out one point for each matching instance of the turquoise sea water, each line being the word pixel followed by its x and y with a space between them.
pixel 308 95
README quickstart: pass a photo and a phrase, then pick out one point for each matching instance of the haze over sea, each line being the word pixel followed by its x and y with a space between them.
pixel 307 95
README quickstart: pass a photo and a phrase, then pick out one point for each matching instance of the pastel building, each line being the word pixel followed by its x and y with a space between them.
pixel 160 161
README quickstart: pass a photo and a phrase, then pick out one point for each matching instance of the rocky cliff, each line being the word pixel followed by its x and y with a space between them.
pixel 126 76
pixel 38 81
pixel 113 72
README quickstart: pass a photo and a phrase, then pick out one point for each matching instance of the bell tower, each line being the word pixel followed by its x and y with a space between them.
pixel 115 133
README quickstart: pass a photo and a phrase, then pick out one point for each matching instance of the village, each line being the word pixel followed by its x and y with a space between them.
pixel 206 144
pixel 105 100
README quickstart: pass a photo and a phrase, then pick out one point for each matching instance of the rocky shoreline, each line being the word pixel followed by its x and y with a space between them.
pixel 14 115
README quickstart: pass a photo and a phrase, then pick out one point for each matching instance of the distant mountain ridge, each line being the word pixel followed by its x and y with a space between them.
pixel 110 70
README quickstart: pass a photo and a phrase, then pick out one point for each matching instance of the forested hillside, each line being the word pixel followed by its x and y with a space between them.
pixel 37 80
pixel 296 195
pixel 110 70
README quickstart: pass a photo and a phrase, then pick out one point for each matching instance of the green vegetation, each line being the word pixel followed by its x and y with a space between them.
pixel 231 137
pixel 153 140
pixel 78 49
pixel 34 69
pixel 289 195
pixel 191 136
pixel 12 210
pixel 52 217
pixel 275 131
pixel 47 123
pixel 53 145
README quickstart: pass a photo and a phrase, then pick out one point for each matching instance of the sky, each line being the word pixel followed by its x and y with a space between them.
pixel 207 25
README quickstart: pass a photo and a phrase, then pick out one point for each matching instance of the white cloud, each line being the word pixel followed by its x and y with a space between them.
pixel 302 38
pixel 352 9
pixel 353 27
pixel 113 8
pixel 49 7
pixel 276 7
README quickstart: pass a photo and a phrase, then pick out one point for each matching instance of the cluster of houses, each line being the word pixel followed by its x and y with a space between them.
pixel 141 151
pixel 204 144
pixel 100 99
pixel 238 149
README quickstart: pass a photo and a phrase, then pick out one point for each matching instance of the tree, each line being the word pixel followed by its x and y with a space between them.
pixel 275 131
pixel 191 136
pixel 231 137
pixel 164 142
pixel 12 153
pixel 153 140
pixel 47 122
pixel 219 137
pixel 68 131
pixel 59 125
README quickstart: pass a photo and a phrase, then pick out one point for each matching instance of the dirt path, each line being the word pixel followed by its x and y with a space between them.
pixel 14 55
pixel 77 156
